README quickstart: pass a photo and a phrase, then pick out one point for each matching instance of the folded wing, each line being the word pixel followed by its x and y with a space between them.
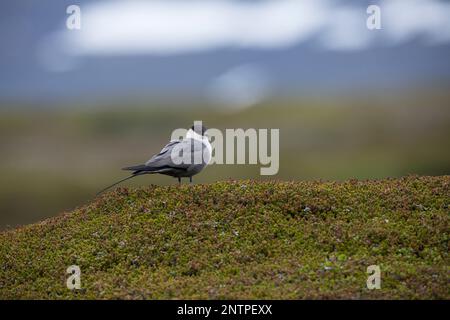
pixel 163 163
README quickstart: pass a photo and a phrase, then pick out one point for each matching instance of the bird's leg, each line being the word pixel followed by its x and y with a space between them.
pixel 179 180
pixel 190 179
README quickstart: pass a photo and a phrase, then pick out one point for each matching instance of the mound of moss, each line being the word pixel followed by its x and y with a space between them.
pixel 240 240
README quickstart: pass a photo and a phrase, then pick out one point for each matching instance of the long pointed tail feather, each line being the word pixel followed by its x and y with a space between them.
pixel 116 183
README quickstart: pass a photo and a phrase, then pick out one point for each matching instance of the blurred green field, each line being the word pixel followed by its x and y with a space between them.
pixel 56 159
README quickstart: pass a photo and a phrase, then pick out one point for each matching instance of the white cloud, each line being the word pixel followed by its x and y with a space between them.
pixel 406 19
pixel 346 30
pixel 174 27
pixel 167 27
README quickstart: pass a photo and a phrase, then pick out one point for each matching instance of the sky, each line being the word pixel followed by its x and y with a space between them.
pixel 228 52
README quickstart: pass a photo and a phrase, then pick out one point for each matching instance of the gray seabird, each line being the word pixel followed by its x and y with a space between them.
pixel 191 155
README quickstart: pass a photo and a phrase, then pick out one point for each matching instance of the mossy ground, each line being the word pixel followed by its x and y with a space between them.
pixel 240 240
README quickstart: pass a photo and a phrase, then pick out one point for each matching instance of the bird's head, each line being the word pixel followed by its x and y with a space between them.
pixel 197 131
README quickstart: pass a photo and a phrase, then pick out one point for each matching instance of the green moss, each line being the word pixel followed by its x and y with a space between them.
pixel 240 239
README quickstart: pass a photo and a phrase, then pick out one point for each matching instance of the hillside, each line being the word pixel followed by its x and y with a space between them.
pixel 240 239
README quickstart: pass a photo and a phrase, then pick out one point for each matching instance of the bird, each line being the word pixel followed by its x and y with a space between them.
pixel 191 154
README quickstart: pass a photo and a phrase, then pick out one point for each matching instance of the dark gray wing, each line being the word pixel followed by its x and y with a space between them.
pixel 164 159
pixel 158 162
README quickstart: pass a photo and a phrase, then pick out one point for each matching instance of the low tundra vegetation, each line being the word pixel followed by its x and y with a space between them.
pixel 240 240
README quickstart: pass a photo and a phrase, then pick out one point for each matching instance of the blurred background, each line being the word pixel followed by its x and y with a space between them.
pixel 77 105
